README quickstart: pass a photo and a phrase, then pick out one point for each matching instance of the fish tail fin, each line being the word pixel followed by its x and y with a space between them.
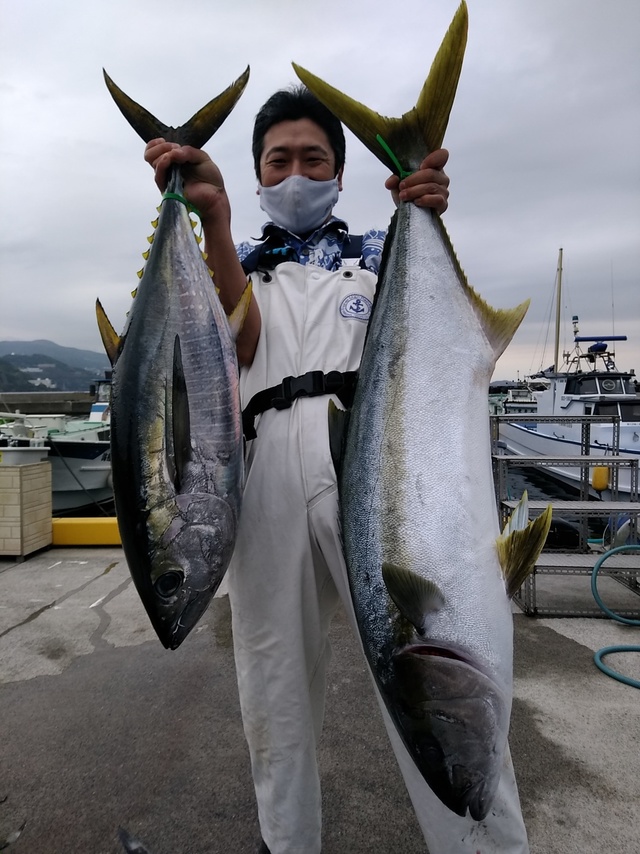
pixel 111 341
pixel 520 544
pixel 402 143
pixel 195 132
pixel 239 314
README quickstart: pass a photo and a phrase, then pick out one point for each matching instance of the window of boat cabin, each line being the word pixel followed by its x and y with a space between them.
pixel 606 409
pixel 611 385
pixel 630 411
pixel 581 385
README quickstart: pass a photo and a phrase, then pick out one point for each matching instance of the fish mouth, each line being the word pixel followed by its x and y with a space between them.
pixel 454 720
pixel 189 616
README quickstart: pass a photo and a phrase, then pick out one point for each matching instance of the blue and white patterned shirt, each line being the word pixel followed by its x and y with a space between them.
pixel 324 246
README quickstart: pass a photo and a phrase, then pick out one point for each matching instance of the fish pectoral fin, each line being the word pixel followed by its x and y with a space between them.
pixel 414 596
pixel 110 339
pixel 338 424
pixel 179 444
pixel 239 314
pixel 424 126
pixel 520 544
pixel 200 127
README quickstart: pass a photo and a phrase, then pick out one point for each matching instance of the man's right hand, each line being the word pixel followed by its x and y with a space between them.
pixel 203 182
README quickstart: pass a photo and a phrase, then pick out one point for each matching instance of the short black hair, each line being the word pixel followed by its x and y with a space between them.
pixel 292 104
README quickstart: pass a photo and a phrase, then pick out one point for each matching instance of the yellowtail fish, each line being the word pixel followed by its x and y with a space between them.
pixel 430 574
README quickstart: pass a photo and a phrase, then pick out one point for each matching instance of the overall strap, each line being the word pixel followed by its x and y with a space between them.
pixel 311 384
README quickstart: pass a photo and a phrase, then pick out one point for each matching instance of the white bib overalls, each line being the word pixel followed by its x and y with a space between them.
pixel 288 575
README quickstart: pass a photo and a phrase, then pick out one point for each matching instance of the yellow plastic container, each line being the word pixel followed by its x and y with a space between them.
pixel 101 531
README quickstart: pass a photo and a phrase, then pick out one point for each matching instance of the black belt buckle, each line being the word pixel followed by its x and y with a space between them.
pixel 310 384
pixel 333 382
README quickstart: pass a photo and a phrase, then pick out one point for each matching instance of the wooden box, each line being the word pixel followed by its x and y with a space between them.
pixel 25 508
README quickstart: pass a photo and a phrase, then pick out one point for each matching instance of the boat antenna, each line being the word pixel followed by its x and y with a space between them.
pixel 556 364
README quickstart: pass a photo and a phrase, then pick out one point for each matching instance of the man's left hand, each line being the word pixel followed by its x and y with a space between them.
pixel 428 187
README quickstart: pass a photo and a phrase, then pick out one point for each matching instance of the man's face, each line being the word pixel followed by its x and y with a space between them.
pixel 297 147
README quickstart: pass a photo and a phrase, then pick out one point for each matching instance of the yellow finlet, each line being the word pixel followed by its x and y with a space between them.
pixel 239 313
pixel 520 544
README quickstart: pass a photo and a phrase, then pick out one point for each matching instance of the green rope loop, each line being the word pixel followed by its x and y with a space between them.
pixel 184 201
pixel 401 171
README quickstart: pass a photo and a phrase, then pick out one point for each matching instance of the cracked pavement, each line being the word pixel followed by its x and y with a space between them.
pixel 102 727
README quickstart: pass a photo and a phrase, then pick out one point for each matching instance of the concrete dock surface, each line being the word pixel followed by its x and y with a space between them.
pixel 102 727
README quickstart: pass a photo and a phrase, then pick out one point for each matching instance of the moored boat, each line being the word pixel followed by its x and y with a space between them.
pixel 588 384
pixel 79 451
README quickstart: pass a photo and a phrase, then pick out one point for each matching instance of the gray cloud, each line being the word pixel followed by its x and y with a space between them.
pixel 543 138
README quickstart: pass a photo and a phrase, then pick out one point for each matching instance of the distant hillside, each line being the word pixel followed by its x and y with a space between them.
pixel 39 372
pixel 12 379
pixel 86 360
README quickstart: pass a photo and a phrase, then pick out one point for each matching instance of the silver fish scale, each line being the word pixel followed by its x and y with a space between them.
pixel 416 484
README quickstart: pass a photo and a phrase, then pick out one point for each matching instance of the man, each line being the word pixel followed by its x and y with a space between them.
pixel 307 319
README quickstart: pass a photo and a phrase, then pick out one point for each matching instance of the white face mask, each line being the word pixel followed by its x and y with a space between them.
pixel 299 204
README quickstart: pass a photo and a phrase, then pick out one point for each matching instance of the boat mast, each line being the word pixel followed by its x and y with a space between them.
pixel 556 362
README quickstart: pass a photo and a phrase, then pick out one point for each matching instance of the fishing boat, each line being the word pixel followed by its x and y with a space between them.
pixel 79 451
pixel 513 396
pixel 586 384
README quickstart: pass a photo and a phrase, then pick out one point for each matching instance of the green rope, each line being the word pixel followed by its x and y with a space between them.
pixel 184 201
pixel 401 171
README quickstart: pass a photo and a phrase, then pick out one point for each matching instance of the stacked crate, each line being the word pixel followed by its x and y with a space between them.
pixel 25 508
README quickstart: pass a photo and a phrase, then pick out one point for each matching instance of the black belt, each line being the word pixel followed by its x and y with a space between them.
pixel 311 384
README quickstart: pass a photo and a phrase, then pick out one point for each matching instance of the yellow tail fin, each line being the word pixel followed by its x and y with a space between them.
pixel 421 130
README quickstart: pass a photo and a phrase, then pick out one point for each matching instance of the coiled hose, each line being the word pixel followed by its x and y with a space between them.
pixel 608 650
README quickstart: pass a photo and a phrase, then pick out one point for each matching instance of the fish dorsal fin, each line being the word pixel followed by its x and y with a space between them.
pixel 520 544
pixel 414 596
pixel 417 132
pixel 338 425
pixel 200 127
pixel 180 445
pixel 110 338
pixel 239 314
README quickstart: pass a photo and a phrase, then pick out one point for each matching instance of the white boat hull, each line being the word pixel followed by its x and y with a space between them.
pixel 559 441
pixel 81 475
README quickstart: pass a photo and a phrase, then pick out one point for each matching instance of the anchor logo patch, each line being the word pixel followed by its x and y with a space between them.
pixel 356 306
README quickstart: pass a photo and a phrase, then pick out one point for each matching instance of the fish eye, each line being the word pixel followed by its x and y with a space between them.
pixel 169 583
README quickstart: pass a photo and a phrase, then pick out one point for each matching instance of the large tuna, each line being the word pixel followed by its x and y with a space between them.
pixel 430 575
pixel 176 429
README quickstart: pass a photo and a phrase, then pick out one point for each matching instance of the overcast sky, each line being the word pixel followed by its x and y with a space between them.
pixel 544 139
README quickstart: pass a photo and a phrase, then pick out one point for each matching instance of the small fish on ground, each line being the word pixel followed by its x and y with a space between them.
pixel 131 845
